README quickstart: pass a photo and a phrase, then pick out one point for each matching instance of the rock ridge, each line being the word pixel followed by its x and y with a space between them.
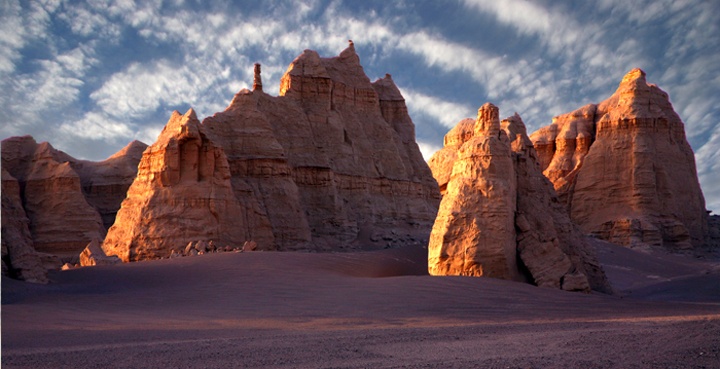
pixel 624 170
pixel 499 216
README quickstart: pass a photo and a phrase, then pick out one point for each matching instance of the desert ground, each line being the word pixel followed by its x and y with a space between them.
pixel 360 310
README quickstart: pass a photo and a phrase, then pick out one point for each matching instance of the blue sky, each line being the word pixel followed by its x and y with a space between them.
pixel 90 76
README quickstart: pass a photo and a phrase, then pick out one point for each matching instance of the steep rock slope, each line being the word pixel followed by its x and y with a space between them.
pixel 182 192
pixel 624 169
pixel 19 259
pixel 334 155
pixel 499 216
pixel 61 220
pixel 68 201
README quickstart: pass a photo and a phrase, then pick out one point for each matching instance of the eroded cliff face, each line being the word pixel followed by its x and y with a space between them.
pixel 19 259
pixel 625 171
pixel 351 148
pixel 331 159
pixel 339 152
pixel 182 192
pixel 499 216
pixel 68 202
pixel 61 220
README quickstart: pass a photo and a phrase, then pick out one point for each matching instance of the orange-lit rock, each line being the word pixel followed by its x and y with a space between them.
pixel 182 193
pixel 94 255
pixel 474 232
pixel 357 164
pixel 624 169
pixel 499 216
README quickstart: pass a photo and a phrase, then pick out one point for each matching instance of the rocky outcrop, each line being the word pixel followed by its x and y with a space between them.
pixel 332 157
pixel 337 154
pixel 624 170
pixel 182 192
pixel 62 222
pixel 19 259
pixel 68 201
pixel 499 216
pixel 358 149
pixel 94 255
pixel 105 183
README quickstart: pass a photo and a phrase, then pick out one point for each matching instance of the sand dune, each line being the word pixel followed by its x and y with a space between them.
pixel 365 309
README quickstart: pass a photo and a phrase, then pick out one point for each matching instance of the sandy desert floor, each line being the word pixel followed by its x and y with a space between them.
pixel 375 309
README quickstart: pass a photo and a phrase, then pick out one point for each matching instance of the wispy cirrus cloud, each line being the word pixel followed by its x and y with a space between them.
pixel 103 72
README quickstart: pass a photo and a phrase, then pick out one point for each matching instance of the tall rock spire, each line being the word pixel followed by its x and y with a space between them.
pixel 257 81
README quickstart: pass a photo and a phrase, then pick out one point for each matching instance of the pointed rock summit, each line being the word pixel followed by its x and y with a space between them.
pixel 182 191
pixel 499 216
pixel 67 202
pixel 624 170
pixel 333 156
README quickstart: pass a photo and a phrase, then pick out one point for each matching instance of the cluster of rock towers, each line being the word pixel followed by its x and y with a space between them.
pixel 334 157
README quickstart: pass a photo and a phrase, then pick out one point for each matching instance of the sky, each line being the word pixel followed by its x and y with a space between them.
pixel 91 76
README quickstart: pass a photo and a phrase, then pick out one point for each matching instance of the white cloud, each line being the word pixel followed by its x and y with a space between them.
pixel 427 149
pixel 445 112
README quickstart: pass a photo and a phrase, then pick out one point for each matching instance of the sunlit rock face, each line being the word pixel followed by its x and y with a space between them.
pixel 499 216
pixel 332 157
pixel 182 192
pixel 624 170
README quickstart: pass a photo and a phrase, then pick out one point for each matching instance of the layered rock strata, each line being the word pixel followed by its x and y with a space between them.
pixel 352 149
pixel 19 259
pixel 182 192
pixel 499 216
pixel 61 220
pixel 68 202
pixel 624 170
pixel 332 155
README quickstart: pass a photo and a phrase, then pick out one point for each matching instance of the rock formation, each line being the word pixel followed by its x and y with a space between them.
pixel 61 220
pixel 624 170
pixel 19 259
pixel 499 216
pixel 68 202
pixel 105 183
pixel 352 149
pixel 332 155
pixel 182 192
pixel 94 255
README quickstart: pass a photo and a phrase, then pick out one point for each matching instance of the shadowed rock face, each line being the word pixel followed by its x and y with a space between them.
pixel 19 259
pixel 332 156
pixel 499 216
pixel 68 202
pixel 351 148
pixel 624 170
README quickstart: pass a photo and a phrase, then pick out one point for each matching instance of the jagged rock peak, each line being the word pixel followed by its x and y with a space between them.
pixel 488 121
pixel 636 74
pixel 134 148
pixel 387 90
pixel 350 51
pixel 498 217
pixel 307 64
pixel 624 170
pixel 183 183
